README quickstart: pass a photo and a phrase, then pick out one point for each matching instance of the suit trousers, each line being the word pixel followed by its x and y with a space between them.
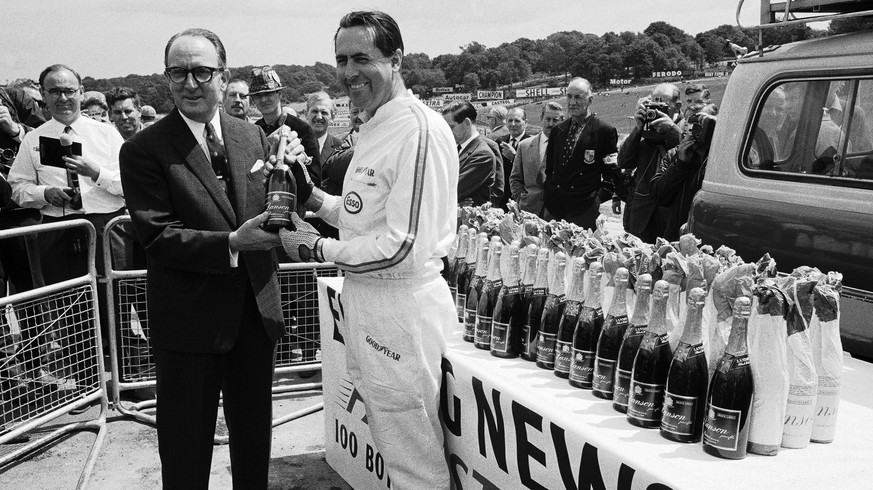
pixel 188 388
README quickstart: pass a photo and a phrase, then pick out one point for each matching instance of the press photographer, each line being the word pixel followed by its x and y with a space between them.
pixel 680 173
pixel 657 129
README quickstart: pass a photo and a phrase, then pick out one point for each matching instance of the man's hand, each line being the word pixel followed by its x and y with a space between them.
pixel 507 150
pixel 302 245
pixel 57 196
pixel 685 150
pixel 80 166
pixel 616 205
pixel 640 112
pixel 250 236
pixel 294 151
pixel 7 124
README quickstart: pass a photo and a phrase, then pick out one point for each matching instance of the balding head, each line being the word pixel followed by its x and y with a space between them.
pixel 670 95
pixel 579 98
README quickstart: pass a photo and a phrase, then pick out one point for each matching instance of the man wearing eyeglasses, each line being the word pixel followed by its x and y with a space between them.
pixel 50 189
pixel 195 189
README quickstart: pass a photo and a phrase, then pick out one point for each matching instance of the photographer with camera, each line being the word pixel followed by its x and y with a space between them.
pixel 657 130
pixel 680 173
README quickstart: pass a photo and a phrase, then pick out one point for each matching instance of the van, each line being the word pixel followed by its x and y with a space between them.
pixel 790 170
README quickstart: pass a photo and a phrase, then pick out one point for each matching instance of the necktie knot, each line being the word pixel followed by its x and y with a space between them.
pixel 217 154
pixel 459 149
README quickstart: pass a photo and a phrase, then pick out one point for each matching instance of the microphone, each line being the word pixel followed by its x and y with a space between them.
pixel 75 192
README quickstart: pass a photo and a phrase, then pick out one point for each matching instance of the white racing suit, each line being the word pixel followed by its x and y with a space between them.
pixel 397 218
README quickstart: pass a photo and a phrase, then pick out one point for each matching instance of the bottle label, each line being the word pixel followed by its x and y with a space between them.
pixel 462 300
pixel 469 323
pixel 826 405
pixel 678 416
pixel 722 428
pixel 646 401
pixel 512 290
pixel 563 354
pixel 546 347
pixel 582 366
pixel 540 292
pixel 498 337
pixel 280 205
pixel 483 329
pixel 604 375
pixel 620 388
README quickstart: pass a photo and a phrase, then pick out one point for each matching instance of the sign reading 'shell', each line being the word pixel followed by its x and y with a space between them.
pixel 497 435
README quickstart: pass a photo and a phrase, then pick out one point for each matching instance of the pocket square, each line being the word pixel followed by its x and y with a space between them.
pixel 257 166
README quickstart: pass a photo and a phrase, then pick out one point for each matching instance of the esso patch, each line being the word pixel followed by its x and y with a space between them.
pixel 352 202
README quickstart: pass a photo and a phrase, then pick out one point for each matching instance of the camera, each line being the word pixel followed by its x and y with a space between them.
pixel 651 109
pixel 702 127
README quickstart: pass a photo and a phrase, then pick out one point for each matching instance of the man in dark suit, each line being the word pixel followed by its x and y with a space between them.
pixel 320 112
pixel 195 190
pixel 477 162
pixel 516 123
pixel 580 160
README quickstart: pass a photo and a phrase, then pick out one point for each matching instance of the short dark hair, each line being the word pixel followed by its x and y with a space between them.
pixel 199 32
pixel 58 67
pixel 95 101
pixel 123 93
pixel 553 106
pixel 238 80
pixel 460 110
pixel 695 88
pixel 385 29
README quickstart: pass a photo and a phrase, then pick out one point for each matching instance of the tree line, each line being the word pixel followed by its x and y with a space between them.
pixel 659 47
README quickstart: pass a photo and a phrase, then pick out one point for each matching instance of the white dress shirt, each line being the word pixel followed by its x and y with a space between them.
pixel 101 143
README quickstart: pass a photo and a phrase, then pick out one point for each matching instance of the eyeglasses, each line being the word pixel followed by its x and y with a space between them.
pixel 202 74
pixel 57 92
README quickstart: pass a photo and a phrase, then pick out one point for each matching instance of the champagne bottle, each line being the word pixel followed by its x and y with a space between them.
pixel 466 268
pixel 633 336
pixel 529 275
pixel 729 403
pixel 552 311
pixel 587 331
pixel 455 260
pixel 488 297
pixel 567 323
pixel 475 288
pixel 609 341
pixel 281 199
pixel 685 394
pixel 534 308
pixel 508 312
pixel 651 365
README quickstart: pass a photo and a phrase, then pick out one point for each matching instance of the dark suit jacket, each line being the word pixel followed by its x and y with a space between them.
pixel 183 219
pixel 476 172
pixel 572 187
pixel 507 165
pixel 497 188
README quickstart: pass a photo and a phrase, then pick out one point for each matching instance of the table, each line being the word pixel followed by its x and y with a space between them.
pixel 509 424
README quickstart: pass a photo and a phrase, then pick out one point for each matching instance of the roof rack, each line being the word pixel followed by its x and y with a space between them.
pixel 826 9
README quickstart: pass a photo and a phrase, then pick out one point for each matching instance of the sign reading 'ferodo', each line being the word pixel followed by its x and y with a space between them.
pixel 671 73
pixel 489 94
pixel 530 93
pixel 453 97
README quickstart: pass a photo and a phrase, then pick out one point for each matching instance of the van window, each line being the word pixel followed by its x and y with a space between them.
pixel 819 128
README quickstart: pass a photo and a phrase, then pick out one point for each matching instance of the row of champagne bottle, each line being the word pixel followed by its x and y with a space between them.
pixel 627 360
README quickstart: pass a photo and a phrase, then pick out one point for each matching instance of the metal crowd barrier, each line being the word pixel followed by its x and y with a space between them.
pixel 131 360
pixel 51 359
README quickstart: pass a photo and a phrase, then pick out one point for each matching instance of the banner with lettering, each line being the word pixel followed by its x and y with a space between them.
pixel 348 447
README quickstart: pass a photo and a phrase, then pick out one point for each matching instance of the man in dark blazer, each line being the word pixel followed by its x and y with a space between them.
pixel 477 162
pixel 516 123
pixel 580 160
pixel 195 190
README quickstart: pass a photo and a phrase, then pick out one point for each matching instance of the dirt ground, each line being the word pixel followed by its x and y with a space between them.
pixel 129 456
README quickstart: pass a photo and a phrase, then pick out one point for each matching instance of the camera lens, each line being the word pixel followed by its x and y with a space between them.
pixel 7 154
